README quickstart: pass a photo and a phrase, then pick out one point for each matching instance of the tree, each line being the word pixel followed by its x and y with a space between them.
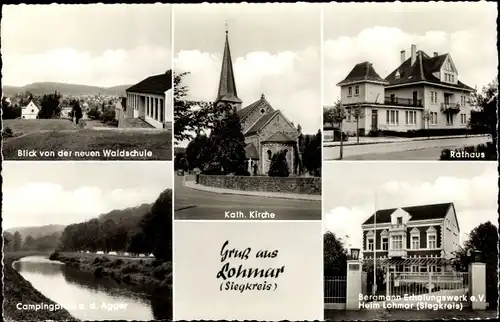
pixel 50 106
pixel 483 238
pixel 29 242
pixel 77 110
pixel 427 117
pixel 311 156
pixel 226 146
pixel 334 255
pixel 195 152
pixel 358 113
pixel 10 111
pixel 279 165
pixel 486 102
pixel 189 115
pixel 337 115
pixel 8 242
pixel 17 241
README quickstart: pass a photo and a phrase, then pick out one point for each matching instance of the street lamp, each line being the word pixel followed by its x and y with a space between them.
pixel 476 256
pixel 355 253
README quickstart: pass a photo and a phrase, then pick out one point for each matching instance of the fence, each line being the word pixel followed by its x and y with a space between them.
pixel 335 292
pixel 445 283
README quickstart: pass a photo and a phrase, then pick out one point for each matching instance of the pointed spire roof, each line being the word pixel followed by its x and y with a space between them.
pixel 227 84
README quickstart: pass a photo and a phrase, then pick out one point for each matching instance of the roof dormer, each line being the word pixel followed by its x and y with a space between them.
pixel 400 217
pixel 448 72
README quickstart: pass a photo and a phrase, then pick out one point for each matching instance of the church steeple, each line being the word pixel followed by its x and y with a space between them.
pixel 227 93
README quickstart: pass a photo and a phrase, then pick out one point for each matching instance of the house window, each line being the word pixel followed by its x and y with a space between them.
pixel 392 117
pixel 400 220
pixel 411 117
pixel 464 100
pixel 423 269
pixel 349 91
pixel 32 111
pixel 162 111
pixel 415 242
pixel 385 243
pixel 431 241
pixel 433 97
pixel 397 242
pixel 356 90
pixel 414 269
pixel 463 118
pixel 269 154
pixel 370 243
pixel 432 269
pixel 434 118
pixel 449 119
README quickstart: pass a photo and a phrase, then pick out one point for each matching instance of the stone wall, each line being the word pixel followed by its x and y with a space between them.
pixel 303 185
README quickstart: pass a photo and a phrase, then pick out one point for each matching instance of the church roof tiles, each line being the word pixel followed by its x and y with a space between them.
pixel 261 122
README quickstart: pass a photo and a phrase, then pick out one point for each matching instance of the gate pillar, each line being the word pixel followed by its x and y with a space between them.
pixel 354 284
pixel 477 286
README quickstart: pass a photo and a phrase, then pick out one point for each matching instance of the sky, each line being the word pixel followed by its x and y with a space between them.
pixel 97 44
pixel 351 190
pixel 275 48
pixel 42 193
pixel 377 32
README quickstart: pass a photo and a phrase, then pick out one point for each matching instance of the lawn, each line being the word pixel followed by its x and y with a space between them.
pixel 18 290
pixel 89 145
pixel 20 126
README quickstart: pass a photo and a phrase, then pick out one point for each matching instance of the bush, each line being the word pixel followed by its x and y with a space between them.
pixel 8 133
pixel 279 165
pixel 99 271
pixel 479 152
pixel 54 256
pixel 336 136
pixel 161 271
pixel 131 268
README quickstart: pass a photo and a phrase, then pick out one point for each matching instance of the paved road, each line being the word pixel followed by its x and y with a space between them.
pixel 409 150
pixel 195 204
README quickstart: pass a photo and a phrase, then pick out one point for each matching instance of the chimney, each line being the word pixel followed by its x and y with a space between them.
pixel 435 54
pixel 413 54
pixel 403 56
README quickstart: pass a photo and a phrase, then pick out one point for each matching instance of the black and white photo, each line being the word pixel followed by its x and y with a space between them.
pixel 87 82
pixel 410 81
pixel 247 111
pixel 410 241
pixel 84 241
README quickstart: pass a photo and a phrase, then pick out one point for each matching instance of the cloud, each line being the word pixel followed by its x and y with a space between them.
pixel 473 51
pixel 290 80
pixel 67 65
pixel 44 203
pixel 475 201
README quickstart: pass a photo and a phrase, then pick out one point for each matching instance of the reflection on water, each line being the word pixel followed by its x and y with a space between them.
pixel 89 298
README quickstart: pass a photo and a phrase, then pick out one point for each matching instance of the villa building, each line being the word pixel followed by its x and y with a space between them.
pixel 151 101
pixel 30 111
pixel 418 239
pixel 423 92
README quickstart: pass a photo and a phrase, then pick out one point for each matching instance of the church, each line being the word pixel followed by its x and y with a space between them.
pixel 266 130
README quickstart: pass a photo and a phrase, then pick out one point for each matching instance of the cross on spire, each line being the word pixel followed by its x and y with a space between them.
pixel 226 25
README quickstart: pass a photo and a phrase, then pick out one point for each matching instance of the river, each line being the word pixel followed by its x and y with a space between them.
pixel 89 298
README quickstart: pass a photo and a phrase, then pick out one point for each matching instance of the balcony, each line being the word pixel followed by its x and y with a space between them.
pixel 403 101
pixel 397 253
pixel 397 228
pixel 450 107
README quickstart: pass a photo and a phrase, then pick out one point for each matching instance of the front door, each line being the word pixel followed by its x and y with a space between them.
pixel 374 120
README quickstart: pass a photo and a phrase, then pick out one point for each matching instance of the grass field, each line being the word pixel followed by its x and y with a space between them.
pixel 158 143
pixel 20 126
pixel 18 290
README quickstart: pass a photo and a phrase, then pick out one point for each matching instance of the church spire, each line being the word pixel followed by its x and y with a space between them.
pixel 227 85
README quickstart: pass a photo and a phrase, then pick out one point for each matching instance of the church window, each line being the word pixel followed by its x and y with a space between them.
pixel 262 111
pixel 269 154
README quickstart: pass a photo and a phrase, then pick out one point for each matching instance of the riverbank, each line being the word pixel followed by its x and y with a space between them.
pixel 148 274
pixel 19 291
